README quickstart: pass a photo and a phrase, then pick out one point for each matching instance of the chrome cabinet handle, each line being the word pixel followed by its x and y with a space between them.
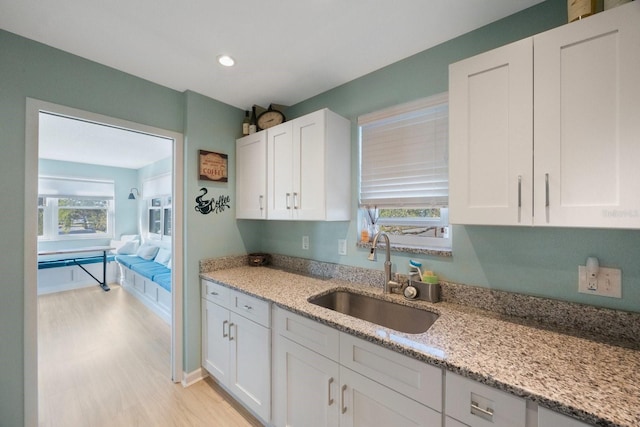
pixel 295 200
pixel 230 325
pixel 474 407
pixel 330 400
pixel 260 199
pixel 247 307
pixel 214 293
pixel 546 190
pixel 519 198
pixel 344 408
pixel 224 334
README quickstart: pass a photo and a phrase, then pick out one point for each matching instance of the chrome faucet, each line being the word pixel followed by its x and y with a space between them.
pixel 389 284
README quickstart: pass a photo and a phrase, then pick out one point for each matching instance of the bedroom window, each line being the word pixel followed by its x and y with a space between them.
pixel 159 217
pixel 70 208
pixel 404 176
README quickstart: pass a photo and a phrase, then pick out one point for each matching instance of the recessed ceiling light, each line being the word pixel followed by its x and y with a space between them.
pixel 226 60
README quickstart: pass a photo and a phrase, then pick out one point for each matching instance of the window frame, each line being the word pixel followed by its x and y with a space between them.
pixel 50 207
pixel 406 241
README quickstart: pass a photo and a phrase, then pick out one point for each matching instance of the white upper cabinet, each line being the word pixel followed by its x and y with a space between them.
pixel 251 176
pixel 491 137
pixel 545 131
pixel 309 168
pixel 587 122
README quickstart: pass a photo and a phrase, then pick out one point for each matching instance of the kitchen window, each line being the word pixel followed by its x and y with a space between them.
pixel 404 174
pixel 70 208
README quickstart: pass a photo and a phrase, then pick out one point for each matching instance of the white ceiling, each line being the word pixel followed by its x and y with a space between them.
pixel 286 50
pixel 72 140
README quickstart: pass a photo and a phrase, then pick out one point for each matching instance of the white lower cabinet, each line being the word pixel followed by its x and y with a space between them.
pixel 548 418
pixel 307 390
pixel 365 403
pixel 236 351
pixel 316 388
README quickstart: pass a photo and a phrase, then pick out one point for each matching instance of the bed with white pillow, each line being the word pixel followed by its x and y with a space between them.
pixel 145 272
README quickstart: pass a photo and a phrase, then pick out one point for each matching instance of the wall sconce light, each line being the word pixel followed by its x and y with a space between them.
pixel 132 196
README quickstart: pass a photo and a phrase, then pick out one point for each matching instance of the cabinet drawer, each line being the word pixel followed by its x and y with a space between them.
pixel 479 405
pixel 215 293
pixel 313 335
pixel 416 380
pixel 250 307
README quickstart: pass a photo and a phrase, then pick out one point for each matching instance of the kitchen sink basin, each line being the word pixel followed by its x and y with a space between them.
pixel 389 314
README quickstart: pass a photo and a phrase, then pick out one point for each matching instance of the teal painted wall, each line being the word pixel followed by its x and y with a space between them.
pixel 211 126
pixel 30 69
pixel 126 220
pixel 535 261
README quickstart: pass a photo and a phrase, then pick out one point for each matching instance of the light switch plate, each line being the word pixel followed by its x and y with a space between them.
pixel 609 282
pixel 342 246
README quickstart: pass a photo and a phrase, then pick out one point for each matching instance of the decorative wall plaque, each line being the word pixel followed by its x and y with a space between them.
pixel 213 166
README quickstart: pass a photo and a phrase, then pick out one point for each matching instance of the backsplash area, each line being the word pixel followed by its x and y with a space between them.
pixel 613 326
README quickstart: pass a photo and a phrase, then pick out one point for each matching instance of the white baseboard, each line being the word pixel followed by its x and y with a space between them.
pixel 190 378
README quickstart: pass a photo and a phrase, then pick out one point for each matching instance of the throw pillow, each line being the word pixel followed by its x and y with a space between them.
pixel 163 257
pixel 128 248
pixel 147 251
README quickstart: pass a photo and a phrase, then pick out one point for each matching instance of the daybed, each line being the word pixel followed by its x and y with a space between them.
pixel 147 276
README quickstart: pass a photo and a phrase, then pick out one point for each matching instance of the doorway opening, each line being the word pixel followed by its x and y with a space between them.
pixel 56 141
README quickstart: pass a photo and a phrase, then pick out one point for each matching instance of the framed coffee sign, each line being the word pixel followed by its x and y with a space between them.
pixel 213 166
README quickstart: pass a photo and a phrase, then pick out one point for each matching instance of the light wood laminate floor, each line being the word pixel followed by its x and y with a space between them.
pixel 103 360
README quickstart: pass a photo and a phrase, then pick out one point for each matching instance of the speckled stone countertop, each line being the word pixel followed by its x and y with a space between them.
pixel 595 382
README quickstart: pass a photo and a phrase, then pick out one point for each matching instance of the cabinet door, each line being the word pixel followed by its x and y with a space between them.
pixel 587 112
pixel 309 166
pixel 250 373
pixel 548 418
pixel 251 176
pixel 215 341
pixel 366 403
pixel 280 171
pixel 306 387
pixel 491 137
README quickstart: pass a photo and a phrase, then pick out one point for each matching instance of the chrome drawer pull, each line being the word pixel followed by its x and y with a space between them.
pixel 488 412
pixel 214 293
pixel 329 391
pixel 248 307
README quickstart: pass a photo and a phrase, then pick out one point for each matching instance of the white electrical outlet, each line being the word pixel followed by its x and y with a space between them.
pixel 305 243
pixel 608 282
pixel 342 246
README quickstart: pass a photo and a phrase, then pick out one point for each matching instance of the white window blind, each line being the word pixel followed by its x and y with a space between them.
pixel 75 188
pixel 404 155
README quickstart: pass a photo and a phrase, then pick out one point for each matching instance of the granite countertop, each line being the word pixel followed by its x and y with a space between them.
pixel 595 382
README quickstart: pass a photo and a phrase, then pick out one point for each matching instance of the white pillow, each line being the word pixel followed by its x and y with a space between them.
pixel 147 251
pixel 169 264
pixel 128 248
pixel 163 257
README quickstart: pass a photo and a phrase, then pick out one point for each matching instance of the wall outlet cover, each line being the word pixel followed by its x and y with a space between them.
pixel 607 284
pixel 342 246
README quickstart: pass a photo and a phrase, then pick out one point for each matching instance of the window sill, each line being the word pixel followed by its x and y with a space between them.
pixel 443 252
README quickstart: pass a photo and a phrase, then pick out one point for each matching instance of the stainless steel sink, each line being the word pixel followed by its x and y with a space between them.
pixel 391 315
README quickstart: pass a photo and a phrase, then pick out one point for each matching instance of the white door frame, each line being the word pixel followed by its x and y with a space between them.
pixel 34 107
